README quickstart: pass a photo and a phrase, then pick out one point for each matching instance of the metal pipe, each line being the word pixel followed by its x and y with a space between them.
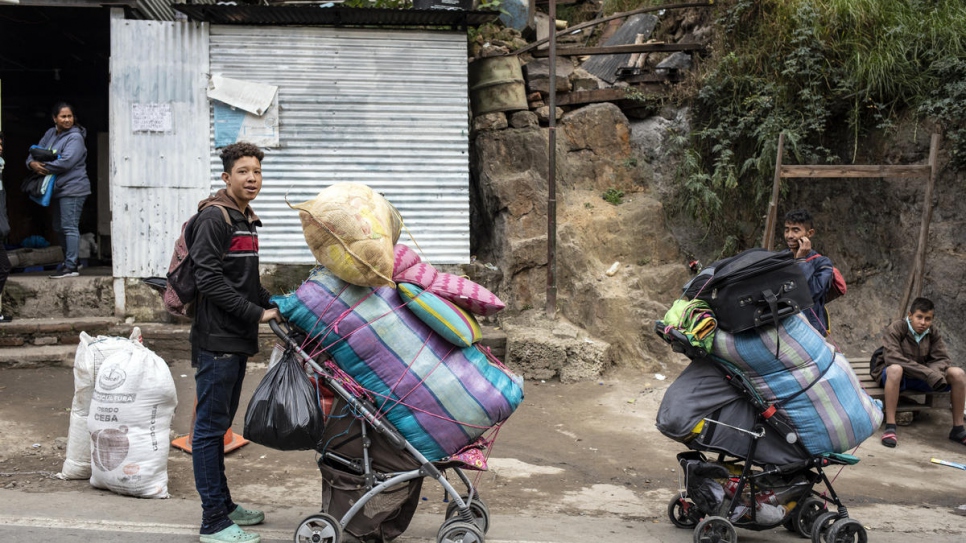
pixel 552 169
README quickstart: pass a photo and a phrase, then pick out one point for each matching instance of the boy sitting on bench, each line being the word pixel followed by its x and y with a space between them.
pixel 913 357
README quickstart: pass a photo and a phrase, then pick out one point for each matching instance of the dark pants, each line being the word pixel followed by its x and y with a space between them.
pixel 4 267
pixel 218 384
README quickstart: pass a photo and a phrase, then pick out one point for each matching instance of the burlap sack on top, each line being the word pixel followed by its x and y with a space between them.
pixel 351 230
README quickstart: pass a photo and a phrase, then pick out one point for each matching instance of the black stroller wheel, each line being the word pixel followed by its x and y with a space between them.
pixel 680 511
pixel 320 528
pixel 822 526
pixel 847 531
pixel 481 513
pixel 715 530
pixel 457 531
pixel 805 515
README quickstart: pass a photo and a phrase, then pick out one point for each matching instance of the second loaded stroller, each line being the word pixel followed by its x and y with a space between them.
pixel 763 409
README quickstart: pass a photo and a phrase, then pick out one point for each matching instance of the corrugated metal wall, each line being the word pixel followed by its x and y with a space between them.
pixel 387 108
pixel 157 178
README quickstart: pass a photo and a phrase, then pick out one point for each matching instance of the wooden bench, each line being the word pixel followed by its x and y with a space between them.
pixel 909 400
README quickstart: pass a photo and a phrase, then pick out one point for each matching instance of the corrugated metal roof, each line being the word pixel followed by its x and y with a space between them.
pixel 335 16
pixel 157 10
pixel 387 108
pixel 605 66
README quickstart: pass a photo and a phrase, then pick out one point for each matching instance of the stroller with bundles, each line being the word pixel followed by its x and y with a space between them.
pixel 372 475
pixel 768 476
pixel 765 406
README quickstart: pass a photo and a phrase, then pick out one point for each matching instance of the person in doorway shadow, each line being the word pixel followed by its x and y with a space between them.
pixel 71 184
pixel 4 232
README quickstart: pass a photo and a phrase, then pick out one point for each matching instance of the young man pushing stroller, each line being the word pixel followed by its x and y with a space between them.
pixel 913 357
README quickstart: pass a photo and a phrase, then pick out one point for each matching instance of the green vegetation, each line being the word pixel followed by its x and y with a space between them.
pixel 821 72
pixel 613 196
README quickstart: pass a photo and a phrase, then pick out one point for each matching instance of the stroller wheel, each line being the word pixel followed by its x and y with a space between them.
pixel 457 531
pixel 680 511
pixel 320 528
pixel 481 513
pixel 805 514
pixel 715 530
pixel 847 531
pixel 822 526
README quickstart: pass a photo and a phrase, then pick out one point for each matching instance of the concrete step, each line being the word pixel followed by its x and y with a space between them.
pixel 35 295
pixel 53 341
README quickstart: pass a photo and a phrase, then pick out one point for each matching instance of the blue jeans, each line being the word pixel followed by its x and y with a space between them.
pixel 218 384
pixel 67 216
pixel 917 385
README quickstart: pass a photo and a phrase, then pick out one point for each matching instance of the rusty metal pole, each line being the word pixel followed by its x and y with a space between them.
pixel 551 171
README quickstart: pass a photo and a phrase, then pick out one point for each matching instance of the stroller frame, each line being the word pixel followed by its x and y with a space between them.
pixel 810 518
pixel 467 517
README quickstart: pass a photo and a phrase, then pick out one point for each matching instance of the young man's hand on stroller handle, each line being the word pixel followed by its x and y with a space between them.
pixel 270 314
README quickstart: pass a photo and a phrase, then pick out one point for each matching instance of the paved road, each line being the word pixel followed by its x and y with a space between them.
pixel 104 517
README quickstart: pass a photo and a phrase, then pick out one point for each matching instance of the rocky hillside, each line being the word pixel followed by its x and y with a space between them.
pixel 622 248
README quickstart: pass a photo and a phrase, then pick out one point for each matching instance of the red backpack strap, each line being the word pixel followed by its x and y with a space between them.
pixel 813 257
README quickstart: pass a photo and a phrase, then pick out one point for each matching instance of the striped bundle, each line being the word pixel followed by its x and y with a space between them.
pixel 439 396
pixel 810 383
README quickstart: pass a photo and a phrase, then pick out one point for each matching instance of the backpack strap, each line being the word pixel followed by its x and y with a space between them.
pixel 224 213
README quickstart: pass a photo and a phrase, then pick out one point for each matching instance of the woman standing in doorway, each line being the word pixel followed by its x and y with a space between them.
pixel 71 186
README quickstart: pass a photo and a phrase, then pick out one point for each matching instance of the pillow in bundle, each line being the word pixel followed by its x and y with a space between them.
pixel 453 323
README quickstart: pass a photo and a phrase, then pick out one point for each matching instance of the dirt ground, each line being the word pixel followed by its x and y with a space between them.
pixel 588 448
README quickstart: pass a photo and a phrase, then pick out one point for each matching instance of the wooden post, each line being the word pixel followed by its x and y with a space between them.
pixel 552 172
pixel 769 236
pixel 914 283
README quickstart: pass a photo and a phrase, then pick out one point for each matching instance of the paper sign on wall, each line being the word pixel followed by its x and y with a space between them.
pixel 151 117
pixel 244 111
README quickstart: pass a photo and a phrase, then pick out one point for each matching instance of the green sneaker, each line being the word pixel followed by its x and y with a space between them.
pixel 231 534
pixel 246 517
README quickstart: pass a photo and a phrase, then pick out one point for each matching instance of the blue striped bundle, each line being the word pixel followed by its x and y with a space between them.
pixel 834 414
pixel 439 396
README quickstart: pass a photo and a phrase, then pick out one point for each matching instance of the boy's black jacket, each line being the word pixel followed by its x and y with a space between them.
pixel 230 296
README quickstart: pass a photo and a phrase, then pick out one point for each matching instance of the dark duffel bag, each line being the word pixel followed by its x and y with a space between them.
pixel 751 289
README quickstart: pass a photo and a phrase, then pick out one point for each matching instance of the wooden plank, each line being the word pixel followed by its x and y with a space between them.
pixel 905 171
pixel 622 49
pixel 908 401
pixel 914 283
pixel 670 77
pixel 772 216
pixel 604 95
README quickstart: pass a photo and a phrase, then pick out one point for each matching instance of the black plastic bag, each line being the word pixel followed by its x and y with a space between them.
pixel 284 411
pixel 32 184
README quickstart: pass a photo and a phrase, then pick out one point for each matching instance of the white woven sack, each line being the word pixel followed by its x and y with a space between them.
pixel 91 353
pixel 130 419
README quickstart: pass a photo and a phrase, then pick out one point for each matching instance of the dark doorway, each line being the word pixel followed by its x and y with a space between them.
pixel 51 54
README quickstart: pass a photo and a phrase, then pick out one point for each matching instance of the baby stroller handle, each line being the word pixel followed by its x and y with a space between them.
pixel 361 406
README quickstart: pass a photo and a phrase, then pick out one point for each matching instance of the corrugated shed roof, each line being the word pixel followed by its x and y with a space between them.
pixel 605 66
pixel 155 10
pixel 335 15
